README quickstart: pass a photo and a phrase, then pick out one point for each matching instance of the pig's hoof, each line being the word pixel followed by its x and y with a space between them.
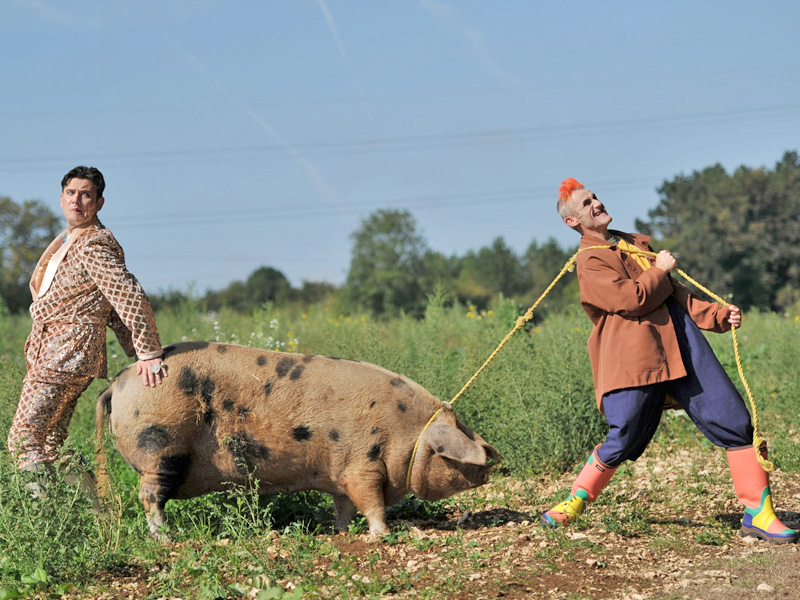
pixel 377 535
pixel 160 535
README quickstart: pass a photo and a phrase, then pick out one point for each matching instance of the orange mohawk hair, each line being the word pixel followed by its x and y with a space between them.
pixel 568 186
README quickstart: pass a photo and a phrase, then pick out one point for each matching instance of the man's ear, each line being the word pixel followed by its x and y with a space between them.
pixel 571 222
pixel 100 202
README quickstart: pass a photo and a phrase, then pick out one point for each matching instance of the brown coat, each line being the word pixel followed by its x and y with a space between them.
pixel 79 287
pixel 633 341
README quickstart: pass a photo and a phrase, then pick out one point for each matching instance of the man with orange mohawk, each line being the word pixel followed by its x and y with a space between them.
pixel 646 348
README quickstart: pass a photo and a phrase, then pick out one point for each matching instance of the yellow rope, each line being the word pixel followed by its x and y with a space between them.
pixel 520 322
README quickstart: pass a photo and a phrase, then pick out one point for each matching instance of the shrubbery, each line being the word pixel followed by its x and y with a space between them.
pixel 534 403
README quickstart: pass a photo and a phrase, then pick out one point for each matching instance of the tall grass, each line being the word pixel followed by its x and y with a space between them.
pixel 534 403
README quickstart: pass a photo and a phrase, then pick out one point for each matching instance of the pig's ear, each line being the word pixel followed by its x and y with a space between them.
pixel 450 442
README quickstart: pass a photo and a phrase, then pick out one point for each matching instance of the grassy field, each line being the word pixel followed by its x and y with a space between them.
pixel 534 403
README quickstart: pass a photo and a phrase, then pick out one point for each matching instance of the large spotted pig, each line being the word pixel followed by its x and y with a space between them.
pixel 231 414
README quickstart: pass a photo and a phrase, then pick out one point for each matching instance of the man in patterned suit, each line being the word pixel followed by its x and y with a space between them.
pixel 80 286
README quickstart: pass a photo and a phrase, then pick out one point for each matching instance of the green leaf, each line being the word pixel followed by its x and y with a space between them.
pixel 10 593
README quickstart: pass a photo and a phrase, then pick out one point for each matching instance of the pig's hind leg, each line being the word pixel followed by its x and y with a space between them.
pixel 345 511
pixel 158 487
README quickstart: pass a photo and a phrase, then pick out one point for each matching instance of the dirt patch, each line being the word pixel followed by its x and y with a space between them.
pixel 667 527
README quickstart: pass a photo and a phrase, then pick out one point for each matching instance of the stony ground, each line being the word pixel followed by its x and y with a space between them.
pixel 666 528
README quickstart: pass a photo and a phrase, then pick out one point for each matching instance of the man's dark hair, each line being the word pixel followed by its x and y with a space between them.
pixel 90 173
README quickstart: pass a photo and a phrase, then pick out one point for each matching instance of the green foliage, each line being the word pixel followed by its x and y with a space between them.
pixel 47 527
pixel 386 263
pixel 489 271
pixel 534 402
pixel 544 262
pixel 25 231
pixel 735 233
pixel 265 284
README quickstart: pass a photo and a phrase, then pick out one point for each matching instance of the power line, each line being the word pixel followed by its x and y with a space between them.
pixel 426 202
pixel 424 142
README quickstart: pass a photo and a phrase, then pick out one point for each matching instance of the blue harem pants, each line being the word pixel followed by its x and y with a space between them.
pixel 706 394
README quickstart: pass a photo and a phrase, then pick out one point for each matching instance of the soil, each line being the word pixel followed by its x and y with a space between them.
pixel 667 527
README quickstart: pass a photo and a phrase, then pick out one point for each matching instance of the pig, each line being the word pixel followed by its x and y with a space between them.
pixel 230 414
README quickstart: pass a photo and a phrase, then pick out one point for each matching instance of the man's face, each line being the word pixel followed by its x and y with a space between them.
pixel 80 203
pixel 588 213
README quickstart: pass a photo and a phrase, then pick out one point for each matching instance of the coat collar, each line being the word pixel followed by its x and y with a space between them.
pixel 593 239
pixel 48 263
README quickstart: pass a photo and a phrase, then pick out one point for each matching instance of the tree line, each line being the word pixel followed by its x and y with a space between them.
pixel 737 233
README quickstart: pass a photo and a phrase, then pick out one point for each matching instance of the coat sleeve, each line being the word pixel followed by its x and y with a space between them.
pixel 104 261
pixel 707 315
pixel 122 332
pixel 610 289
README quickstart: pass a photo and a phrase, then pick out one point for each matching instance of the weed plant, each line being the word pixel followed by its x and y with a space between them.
pixel 534 402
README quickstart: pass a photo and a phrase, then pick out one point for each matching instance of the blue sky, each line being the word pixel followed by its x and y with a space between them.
pixel 237 134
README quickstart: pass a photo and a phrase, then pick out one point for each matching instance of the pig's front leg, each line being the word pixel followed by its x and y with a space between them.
pixel 366 492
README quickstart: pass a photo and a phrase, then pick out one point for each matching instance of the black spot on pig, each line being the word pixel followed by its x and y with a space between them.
pixel 242 413
pixel 296 372
pixel 207 387
pixel 374 452
pixel 301 433
pixel 154 439
pixel 334 435
pixel 222 348
pixel 246 452
pixel 227 405
pixel 284 366
pixel 268 387
pixel 373 403
pixel 187 382
pixel 401 406
pixel 397 382
pixel 308 358
pixel 171 474
pixel 375 430
pixel 261 360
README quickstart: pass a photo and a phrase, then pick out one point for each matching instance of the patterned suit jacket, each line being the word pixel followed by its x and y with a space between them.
pixel 80 286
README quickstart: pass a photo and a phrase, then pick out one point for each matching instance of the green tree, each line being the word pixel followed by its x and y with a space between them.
pixel 265 284
pixel 543 262
pixel 492 270
pixel 737 234
pixel 387 266
pixel 313 292
pixel 25 231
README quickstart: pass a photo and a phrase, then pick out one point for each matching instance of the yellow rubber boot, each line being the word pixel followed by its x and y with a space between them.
pixel 594 476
